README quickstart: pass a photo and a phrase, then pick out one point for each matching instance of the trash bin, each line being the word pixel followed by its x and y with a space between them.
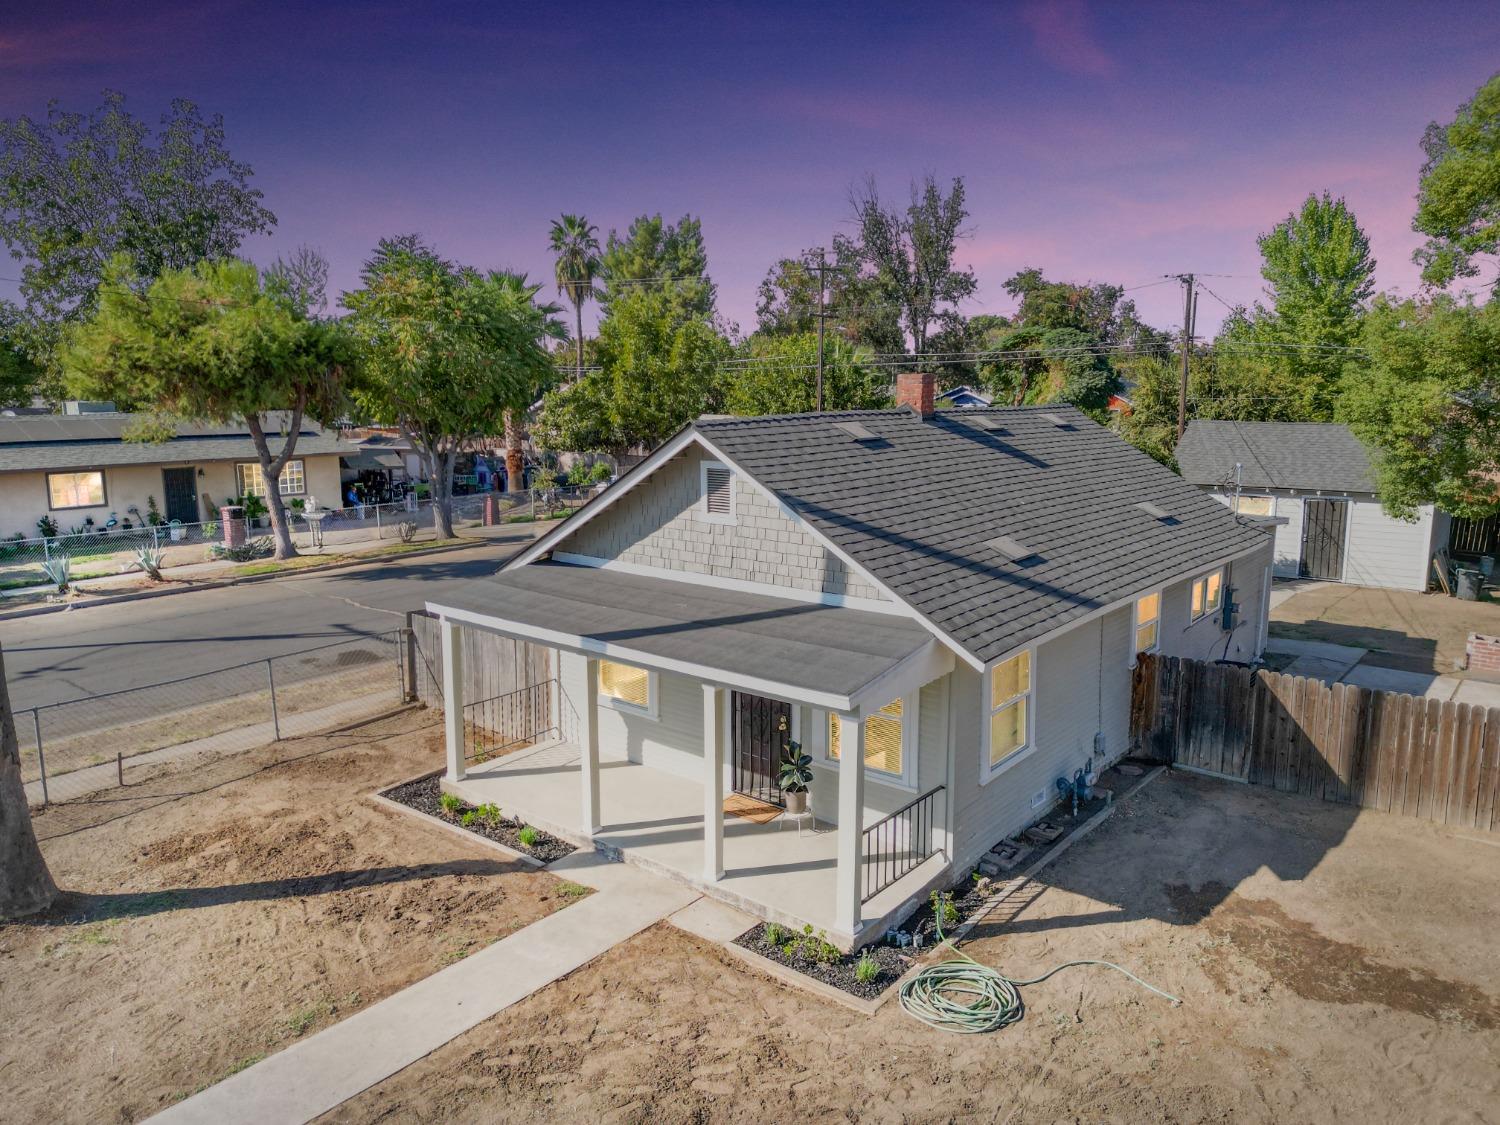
pixel 1467 586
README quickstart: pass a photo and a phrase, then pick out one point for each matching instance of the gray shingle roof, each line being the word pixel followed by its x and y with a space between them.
pixel 826 648
pixel 917 506
pixel 93 441
pixel 1316 456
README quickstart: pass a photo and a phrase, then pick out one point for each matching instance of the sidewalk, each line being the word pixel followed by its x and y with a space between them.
pixel 320 1072
pixel 1342 664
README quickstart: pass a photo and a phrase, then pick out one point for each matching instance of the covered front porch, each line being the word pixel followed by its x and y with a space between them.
pixel 645 776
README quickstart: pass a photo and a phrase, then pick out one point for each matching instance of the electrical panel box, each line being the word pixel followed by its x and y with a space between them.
pixel 1228 610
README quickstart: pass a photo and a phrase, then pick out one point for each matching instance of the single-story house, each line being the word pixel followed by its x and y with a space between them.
pixel 76 467
pixel 1316 480
pixel 942 607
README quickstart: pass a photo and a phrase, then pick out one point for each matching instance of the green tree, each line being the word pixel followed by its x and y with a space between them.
pixel 445 350
pixel 912 252
pixel 1043 365
pixel 522 296
pixel 779 376
pixel 859 306
pixel 575 242
pixel 657 257
pixel 1429 403
pixel 213 343
pixel 1458 198
pixel 18 373
pixel 1319 274
pixel 77 189
pixel 657 371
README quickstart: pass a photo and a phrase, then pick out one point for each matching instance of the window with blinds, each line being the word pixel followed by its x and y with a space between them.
pixel 624 683
pixel 1147 622
pixel 884 732
pixel 718 493
pixel 1010 707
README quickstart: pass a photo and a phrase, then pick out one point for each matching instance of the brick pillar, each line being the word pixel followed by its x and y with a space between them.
pixel 1483 657
pixel 232 520
pixel 917 390
pixel 491 510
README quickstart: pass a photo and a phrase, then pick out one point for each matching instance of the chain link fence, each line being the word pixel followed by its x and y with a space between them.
pixel 97 553
pixel 83 746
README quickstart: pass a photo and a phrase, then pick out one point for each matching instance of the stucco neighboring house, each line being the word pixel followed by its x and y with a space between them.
pixel 942 607
pixel 1317 481
pixel 73 467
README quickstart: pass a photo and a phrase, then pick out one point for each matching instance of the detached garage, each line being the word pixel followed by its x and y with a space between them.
pixel 1317 481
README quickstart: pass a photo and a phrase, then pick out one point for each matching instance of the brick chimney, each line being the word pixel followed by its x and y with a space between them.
pixel 917 390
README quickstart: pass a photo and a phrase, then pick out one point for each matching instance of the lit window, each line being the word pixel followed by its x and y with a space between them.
pixel 75 490
pixel 1010 706
pixel 885 733
pixel 1256 505
pixel 1147 622
pixel 293 480
pixel 1207 595
pixel 718 493
pixel 625 686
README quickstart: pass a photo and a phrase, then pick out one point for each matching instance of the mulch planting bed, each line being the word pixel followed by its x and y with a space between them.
pixel 969 896
pixel 424 796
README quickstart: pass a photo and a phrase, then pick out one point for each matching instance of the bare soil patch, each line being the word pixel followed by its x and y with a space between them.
pixel 215 915
pixel 1332 968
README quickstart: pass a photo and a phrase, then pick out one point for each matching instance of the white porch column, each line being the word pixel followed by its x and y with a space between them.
pixel 713 783
pixel 453 698
pixel 588 745
pixel 849 885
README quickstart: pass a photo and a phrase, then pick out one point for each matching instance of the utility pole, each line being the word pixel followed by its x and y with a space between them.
pixel 1189 315
pixel 822 316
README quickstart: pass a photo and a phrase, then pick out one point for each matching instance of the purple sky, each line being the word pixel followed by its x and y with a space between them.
pixel 1099 141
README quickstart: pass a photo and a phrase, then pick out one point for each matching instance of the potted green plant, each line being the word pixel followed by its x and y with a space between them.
pixel 795 776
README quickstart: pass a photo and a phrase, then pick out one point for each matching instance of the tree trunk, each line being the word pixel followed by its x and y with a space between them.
pixel 440 464
pixel 578 337
pixel 515 462
pixel 270 470
pixel 26 885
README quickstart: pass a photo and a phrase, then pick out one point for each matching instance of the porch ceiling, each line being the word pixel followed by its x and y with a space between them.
pixel 812 652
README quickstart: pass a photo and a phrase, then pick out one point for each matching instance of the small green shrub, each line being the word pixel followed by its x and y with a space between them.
pixel 866 968
pixel 469 819
pixel 528 836
pixel 450 802
pixel 59 572
pixel 775 933
pixel 944 910
pixel 490 814
pixel 47 527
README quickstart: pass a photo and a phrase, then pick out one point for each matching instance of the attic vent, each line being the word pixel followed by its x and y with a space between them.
pixel 718 493
pixel 857 430
pixel 1058 420
pixel 1013 550
pixel 991 424
pixel 1153 511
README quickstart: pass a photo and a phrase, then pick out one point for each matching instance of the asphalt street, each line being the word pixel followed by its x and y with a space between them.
pixel 61 656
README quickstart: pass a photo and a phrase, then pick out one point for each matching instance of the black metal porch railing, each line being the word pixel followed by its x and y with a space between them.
pixel 899 843
pixel 507 722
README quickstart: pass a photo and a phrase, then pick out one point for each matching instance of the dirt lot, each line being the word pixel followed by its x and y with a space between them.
pixel 1412 632
pixel 217 915
pixel 1332 969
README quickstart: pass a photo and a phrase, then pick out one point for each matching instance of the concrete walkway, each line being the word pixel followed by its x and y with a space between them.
pixel 320 1072
pixel 1333 664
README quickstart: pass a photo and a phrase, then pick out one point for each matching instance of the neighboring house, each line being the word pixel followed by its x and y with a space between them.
pixel 75 467
pixel 942 607
pixel 1317 481
pixel 965 396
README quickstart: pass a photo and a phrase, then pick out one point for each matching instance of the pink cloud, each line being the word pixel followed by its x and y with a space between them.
pixel 1066 40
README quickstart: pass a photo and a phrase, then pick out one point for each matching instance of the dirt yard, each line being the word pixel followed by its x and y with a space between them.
pixel 1412 632
pixel 1332 969
pixel 214 916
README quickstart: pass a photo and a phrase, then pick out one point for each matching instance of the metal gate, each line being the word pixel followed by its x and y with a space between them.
pixel 180 494
pixel 1473 538
pixel 760 728
pixel 1323 526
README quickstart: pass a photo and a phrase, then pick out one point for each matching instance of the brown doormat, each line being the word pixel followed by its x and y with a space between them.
pixel 757 812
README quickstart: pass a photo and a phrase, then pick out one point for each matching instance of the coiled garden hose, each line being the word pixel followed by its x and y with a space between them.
pixel 967 997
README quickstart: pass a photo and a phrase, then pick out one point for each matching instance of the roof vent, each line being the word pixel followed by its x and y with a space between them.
pixel 857 430
pixel 1012 549
pixel 1152 510
pixel 992 425
pixel 1058 420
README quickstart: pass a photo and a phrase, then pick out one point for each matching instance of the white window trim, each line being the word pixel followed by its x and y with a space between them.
pixel 704 515
pixel 652 710
pixel 910 725
pixel 988 772
pixel 1208 611
pixel 280 480
pixel 1135 622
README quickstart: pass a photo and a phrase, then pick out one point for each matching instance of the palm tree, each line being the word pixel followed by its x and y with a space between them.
pixel 543 322
pixel 575 241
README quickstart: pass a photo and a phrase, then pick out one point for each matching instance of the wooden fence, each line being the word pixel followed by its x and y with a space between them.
pixel 493 665
pixel 1378 750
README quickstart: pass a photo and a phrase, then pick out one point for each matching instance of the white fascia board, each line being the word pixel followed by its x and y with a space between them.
pixel 633 478
pixel 592 646
pixel 908 677
pixel 1129 599
pixel 833 548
